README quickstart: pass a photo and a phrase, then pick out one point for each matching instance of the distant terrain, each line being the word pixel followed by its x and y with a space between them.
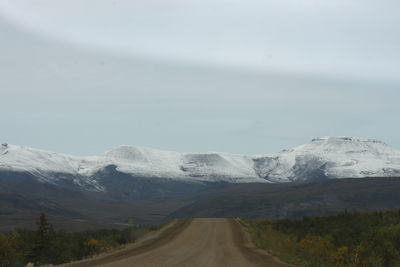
pixel 133 185
pixel 76 211
pixel 326 157
pixel 295 200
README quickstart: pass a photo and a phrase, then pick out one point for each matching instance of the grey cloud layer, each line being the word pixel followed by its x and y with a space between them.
pixel 354 38
pixel 69 98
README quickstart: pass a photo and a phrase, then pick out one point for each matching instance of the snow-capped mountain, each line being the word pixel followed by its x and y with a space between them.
pixel 331 157
pixel 327 157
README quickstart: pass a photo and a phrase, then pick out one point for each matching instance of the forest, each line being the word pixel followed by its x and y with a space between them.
pixel 347 239
pixel 48 246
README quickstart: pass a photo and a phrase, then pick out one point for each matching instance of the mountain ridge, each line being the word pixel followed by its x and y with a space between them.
pixel 324 157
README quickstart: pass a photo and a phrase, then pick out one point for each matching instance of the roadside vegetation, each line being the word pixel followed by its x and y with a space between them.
pixel 347 239
pixel 47 246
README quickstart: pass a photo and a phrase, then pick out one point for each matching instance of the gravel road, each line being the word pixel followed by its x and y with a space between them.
pixel 195 242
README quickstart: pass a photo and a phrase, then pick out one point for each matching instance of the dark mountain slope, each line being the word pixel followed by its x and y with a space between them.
pixel 294 200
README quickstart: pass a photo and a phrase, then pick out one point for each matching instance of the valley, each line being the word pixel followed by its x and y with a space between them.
pixel 79 210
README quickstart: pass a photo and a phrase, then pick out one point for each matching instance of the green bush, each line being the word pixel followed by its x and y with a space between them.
pixel 46 246
pixel 356 239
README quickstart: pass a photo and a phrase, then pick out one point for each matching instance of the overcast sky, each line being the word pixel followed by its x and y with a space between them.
pixel 242 76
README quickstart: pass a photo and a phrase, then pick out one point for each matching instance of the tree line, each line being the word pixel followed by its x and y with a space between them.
pixel 48 246
pixel 347 239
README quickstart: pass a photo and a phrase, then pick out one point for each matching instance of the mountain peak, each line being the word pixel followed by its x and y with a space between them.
pixel 345 139
pixel 126 152
pixel 341 147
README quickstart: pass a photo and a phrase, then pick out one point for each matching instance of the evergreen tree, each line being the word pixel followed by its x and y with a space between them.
pixel 42 243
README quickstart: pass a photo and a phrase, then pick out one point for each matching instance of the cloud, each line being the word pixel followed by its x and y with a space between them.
pixel 339 38
pixel 73 98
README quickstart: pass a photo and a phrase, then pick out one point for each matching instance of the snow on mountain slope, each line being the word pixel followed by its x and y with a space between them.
pixel 196 166
pixel 144 161
pixel 138 161
pixel 220 166
pixel 329 157
pixel 47 166
pixel 18 158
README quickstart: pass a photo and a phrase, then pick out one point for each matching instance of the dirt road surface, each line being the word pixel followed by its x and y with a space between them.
pixel 196 242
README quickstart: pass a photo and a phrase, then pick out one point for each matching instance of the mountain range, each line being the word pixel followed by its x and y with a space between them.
pixel 149 185
pixel 327 157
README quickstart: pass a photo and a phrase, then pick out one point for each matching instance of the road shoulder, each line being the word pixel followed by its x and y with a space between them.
pixel 250 250
pixel 149 242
